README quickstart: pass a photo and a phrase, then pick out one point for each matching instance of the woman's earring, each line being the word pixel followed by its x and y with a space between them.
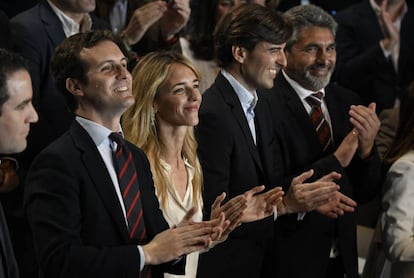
pixel 152 118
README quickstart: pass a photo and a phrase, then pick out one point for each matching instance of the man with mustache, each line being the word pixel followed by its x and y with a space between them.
pixel 321 126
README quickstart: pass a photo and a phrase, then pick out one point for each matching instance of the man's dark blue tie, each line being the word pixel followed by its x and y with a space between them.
pixel 131 194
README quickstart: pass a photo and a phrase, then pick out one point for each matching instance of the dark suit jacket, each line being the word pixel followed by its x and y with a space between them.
pixel 8 266
pixel 361 65
pixel 232 163
pixel 36 33
pixel 304 246
pixel 78 226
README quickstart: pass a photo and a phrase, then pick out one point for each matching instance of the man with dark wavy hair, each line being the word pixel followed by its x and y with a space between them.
pixel 236 141
pixel 93 210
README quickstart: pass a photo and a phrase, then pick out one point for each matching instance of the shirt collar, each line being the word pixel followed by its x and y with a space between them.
pixel 301 92
pixel 70 27
pixel 97 132
pixel 190 169
pixel 248 99
pixel 118 16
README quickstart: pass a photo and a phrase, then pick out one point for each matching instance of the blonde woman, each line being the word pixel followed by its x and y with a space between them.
pixel 161 122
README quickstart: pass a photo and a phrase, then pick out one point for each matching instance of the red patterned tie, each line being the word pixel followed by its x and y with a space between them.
pixel 321 126
pixel 128 183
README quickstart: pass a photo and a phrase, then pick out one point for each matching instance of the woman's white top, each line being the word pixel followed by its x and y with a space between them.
pixel 397 219
pixel 175 210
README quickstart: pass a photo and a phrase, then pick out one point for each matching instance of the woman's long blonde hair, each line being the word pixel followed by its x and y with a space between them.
pixel 140 126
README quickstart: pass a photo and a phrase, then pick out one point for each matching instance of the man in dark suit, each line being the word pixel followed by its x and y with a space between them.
pixel 36 33
pixel 16 115
pixel 236 140
pixel 375 50
pixel 332 134
pixel 80 221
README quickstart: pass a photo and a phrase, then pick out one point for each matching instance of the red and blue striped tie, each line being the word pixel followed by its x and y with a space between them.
pixel 321 126
pixel 131 194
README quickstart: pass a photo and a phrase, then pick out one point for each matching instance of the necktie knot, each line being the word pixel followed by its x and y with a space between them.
pixel 315 99
pixel 117 138
pixel 321 126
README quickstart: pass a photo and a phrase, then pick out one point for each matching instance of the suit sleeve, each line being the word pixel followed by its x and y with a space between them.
pixel 361 180
pixel 365 176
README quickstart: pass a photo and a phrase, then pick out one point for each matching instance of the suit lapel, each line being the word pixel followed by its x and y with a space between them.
pixel 231 99
pixel 52 24
pixel 264 135
pixel 98 173
pixel 338 114
pixel 335 114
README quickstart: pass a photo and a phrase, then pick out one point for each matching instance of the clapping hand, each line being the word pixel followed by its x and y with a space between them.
pixel 303 197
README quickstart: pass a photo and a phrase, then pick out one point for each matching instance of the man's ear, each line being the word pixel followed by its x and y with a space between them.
pixel 74 86
pixel 239 53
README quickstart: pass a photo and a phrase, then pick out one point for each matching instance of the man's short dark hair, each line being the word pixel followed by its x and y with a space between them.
pixel 246 26
pixel 67 63
pixel 9 63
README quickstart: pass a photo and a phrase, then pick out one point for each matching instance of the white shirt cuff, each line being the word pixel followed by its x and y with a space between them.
pixel 142 258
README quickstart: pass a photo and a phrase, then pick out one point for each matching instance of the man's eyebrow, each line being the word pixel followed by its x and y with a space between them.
pixel 24 103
